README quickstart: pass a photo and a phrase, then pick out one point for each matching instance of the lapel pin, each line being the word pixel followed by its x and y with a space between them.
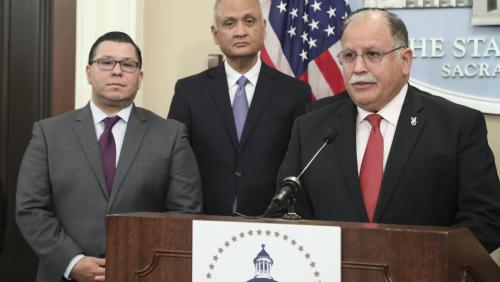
pixel 413 121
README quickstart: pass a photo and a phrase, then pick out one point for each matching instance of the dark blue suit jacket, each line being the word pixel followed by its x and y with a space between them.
pixel 246 169
pixel 440 170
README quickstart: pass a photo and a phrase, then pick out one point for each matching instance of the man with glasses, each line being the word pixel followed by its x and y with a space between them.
pixel 398 155
pixel 108 157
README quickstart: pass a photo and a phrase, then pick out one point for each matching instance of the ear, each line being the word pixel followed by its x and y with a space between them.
pixel 406 59
pixel 141 76
pixel 264 22
pixel 215 32
pixel 87 71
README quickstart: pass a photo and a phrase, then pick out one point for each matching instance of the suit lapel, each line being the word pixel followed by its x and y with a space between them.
pixel 345 147
pixel 85 131
pixel 217 84
pixel 405 138
pixel 136 129
pixel 262 95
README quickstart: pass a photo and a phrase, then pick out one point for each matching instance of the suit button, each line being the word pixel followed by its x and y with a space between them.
pixel 238 173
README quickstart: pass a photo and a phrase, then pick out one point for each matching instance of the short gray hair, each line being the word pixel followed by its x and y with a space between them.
pixel 398 28
pixel 216 5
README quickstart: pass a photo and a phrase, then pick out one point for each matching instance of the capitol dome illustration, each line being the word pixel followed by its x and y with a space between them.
pixel 263 264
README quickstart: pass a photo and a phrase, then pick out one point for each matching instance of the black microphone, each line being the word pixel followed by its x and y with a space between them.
pixel 290 185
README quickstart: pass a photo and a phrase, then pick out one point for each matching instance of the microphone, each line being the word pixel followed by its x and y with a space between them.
pixel 290 185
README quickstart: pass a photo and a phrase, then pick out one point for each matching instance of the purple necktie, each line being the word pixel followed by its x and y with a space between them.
pixel 108 151
pixel 240 106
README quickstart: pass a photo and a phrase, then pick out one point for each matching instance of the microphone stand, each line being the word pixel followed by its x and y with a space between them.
pixel 289 187
pixel 291 213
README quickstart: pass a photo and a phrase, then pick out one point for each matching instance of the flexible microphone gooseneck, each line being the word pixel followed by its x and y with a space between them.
pixel 290 185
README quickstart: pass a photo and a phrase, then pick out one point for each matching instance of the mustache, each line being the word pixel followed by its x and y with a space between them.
pixel 365 78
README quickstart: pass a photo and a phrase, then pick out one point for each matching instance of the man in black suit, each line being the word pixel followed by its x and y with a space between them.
pixel 428 162
pixel 238 164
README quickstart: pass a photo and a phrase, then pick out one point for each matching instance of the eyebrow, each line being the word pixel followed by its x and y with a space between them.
pixel 246 15
pixel 117 59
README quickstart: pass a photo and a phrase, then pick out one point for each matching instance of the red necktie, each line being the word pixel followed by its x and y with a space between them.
pixel 108 151
pixel 370 175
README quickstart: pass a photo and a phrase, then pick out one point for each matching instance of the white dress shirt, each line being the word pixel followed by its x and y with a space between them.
pixel 390 115
pixel 118 129
pixel 232 78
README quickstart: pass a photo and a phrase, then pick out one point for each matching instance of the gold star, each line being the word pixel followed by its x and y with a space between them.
pixel 316 274
pixel 277 234
pixel 221 250
pixel 259 232
pixel 216 258
pixel 308 256
pixel 211 266
pixel 234 238
pixel 226 244
pixel 285 237
pixel 250 232
pixel 313 264
pixel 301 248
pixel 294 242
pixel 268 232
pixel 209 275
pixel 242 235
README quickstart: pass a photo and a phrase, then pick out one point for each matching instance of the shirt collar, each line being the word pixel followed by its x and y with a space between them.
pixel 252 75
pixel 98 115
pixel 389 112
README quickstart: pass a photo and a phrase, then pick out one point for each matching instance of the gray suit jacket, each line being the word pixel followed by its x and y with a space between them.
pixel 62 201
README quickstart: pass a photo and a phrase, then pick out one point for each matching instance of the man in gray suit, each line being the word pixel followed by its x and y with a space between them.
pixel 80 167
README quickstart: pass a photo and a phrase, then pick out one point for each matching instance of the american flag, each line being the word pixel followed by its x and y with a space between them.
pixel 303 40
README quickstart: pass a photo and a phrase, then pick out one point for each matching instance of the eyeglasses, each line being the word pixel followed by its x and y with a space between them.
pixel 349 57
pixel 109 64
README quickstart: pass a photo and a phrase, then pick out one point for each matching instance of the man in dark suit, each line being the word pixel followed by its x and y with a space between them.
pixel 239 155
pixel 80 167
pixel 424 161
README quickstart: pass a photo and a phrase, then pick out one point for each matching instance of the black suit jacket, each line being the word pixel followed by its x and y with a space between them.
pixel 247 169
pixel 440 170
pixel 3 215
pixel 323 102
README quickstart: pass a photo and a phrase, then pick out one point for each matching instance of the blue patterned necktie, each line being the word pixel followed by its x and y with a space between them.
pixel 240 106
pixel 108 151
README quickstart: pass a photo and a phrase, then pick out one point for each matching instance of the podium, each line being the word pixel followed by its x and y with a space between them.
pixel 157 247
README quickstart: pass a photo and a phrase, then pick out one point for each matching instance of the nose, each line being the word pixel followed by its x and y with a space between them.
pixel 241 29
pixel 117 68
pixel 359 64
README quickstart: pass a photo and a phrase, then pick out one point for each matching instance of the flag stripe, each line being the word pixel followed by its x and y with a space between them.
pixel 265 57
pixel 317 80
pixel 331 71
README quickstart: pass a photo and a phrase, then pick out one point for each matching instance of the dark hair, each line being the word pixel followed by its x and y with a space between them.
pixel 397 26
pixel 115 36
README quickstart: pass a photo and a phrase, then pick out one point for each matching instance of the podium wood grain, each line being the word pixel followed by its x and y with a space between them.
pixel 157 247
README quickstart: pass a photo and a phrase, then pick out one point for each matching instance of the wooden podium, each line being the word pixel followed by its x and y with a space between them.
pixel 157 247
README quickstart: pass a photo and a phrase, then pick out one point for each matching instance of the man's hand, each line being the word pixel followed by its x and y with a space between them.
pixel 88 269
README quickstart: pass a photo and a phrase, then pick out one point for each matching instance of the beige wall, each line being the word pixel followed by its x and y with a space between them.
pixel 177 41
